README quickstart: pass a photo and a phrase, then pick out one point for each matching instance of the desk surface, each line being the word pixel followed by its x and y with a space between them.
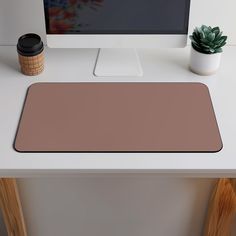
pixel 69 65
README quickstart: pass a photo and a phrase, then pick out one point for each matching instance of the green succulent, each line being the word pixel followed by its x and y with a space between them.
pixel 208 40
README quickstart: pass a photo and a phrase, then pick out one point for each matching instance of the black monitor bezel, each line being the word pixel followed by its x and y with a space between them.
pixel 174 32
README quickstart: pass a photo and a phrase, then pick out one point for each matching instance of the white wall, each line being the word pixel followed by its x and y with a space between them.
pixel 115 206
pixel 19 17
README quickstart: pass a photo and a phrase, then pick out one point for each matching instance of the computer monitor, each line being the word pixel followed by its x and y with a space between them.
pixel 116 27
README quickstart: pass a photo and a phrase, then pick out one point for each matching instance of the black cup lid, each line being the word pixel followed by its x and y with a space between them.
pixel 29 45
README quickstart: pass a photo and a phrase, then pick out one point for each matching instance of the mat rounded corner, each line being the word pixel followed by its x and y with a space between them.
pixel 219 148
pixel 17 148
pixel 202 85
pixel 34 85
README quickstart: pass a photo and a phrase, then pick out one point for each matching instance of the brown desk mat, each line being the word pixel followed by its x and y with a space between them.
pixel 118 117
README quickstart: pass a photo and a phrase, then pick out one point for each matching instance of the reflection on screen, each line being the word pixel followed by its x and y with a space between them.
pixel 116 16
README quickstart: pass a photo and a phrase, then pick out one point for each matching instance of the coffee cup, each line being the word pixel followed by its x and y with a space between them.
pixel 31 54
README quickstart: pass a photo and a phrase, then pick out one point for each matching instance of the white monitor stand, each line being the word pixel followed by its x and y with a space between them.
pixel 118 62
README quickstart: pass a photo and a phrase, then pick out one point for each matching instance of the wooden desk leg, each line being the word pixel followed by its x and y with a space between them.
pixel 11 208
pixel 222 208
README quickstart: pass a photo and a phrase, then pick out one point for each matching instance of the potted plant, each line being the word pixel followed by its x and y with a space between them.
pixel 206 50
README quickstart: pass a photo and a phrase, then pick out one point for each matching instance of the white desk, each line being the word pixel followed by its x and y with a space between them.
pixel 63 65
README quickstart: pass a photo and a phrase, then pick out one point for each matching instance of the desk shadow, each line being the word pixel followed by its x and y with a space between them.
pixel 168 59
pixel 203 192
pixel 10 61
pixel 183 64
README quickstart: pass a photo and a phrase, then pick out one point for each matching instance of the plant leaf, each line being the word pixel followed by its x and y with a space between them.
pixel 211 36
pixel 216 29
pixel 218 50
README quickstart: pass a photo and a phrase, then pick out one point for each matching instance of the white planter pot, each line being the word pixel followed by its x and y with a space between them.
pixel 204 64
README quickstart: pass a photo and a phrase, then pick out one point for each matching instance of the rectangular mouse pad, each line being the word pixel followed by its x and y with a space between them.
pixel 118 117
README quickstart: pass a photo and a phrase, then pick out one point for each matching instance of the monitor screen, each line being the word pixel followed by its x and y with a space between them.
pixel 116 16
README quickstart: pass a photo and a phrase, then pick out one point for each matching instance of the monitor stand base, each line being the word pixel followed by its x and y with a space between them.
pixel 118 62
